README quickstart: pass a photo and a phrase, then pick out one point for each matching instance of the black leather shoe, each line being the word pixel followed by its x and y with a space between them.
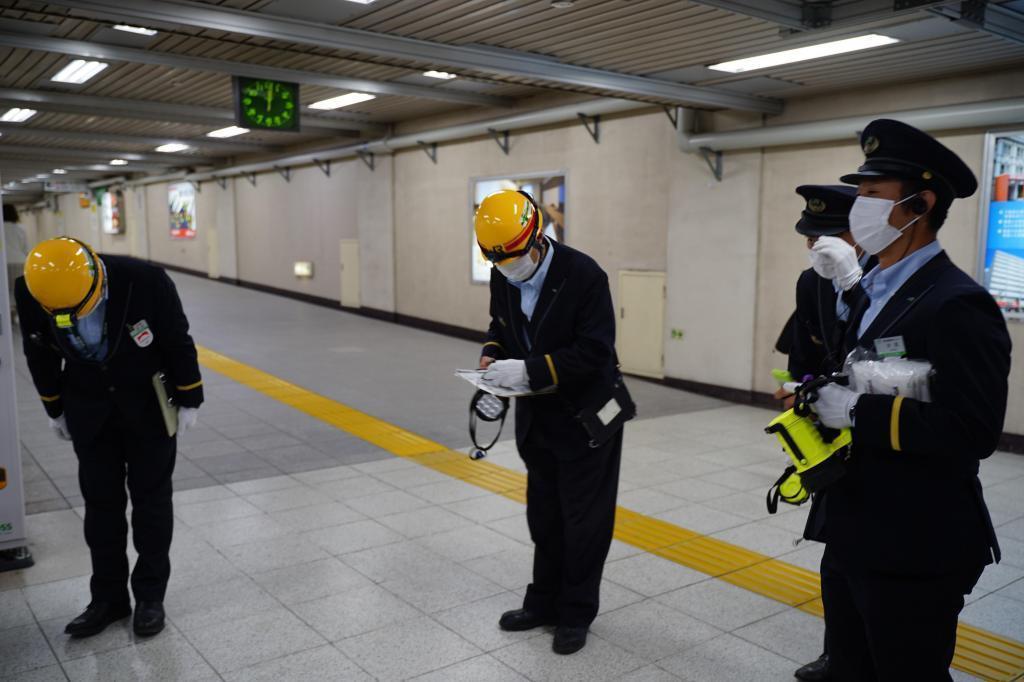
pixel 522 619
pixel 569 640
pixel 149 618
pixel 96 617
pixel 815 671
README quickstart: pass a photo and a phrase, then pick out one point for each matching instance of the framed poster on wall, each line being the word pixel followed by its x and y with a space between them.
pixel 112 211
pixel 548 189
pixel 1002 222
pixel 181 202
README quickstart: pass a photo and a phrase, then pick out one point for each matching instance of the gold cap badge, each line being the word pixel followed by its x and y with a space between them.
pixel 815 205
pixel 870 144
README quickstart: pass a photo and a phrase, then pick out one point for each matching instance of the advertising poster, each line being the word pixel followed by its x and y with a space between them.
pixel 181 201
pixel 1004 233
pixel 112 212
pixel 547 189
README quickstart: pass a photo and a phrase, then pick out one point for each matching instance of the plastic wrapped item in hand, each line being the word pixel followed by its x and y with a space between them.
pixel 870 373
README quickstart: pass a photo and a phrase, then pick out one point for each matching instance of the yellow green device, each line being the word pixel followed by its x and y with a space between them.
pixel 818 454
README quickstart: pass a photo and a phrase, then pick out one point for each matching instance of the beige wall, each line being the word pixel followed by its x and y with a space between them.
pixel 616 207
pixel 281 222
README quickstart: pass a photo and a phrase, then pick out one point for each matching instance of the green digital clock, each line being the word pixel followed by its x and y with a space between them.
pixel 266 104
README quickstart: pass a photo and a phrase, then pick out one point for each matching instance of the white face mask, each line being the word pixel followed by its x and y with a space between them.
pixel 518 270
pixel 869 223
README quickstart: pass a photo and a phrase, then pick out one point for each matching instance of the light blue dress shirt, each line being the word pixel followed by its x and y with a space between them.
pixel 90 331
pixel 529 291
pixel 880 285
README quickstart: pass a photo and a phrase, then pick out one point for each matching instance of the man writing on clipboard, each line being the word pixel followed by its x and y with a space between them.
pixel 99 333
pixel 553 326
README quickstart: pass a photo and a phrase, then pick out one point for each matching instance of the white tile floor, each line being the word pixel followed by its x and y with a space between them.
pixel 384 570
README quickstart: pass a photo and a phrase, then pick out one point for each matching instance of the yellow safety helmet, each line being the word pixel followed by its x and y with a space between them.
pixel 508 224
pixel 66 277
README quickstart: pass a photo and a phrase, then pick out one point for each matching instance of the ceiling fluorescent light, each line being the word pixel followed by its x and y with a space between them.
pixel 230 131
pixel 135 29
pixel 363 2
pixel 118 162
pixel 801 54
pixel 342 101
pixel 441 75
pixel 59 171
pixel 79 71
pixel 172 147
pixel 17 115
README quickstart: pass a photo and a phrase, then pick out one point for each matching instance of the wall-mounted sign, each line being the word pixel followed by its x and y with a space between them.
pixel 65 187
pixel 181 202
pixel 1003 221
pixel 547 189
pixel 265 104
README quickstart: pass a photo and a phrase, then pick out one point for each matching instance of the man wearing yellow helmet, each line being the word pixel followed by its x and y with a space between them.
pixel 553 327
pixel 96 331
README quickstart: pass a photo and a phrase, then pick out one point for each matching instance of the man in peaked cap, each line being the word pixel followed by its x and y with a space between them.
pixel 822 296
pixel 907 531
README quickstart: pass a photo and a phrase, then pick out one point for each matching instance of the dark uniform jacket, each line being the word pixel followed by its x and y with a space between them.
pixel 911 502
pixel 571 345
pixel 87 392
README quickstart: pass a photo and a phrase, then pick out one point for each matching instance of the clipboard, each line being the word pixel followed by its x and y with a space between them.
pixel 167 408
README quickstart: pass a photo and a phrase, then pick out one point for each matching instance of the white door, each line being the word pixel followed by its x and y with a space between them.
pixel 350 297
pixel 640 332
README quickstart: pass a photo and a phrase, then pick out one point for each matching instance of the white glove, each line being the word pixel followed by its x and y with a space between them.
pixel 834 405
pixel 187 418
pixel 834 259
pixel 507 374
pixel 60 427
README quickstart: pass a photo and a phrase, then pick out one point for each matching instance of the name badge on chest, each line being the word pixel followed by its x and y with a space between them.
pixel 891 347
pixel 141 334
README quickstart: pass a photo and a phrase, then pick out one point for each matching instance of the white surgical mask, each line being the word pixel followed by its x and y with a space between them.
pixel 869 223
pixel 518 270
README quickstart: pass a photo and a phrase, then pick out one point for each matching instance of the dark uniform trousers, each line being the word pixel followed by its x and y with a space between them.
pixel 570 509
pixel 146 461
pixel 907 531
pixel 569 344
pixel 115 422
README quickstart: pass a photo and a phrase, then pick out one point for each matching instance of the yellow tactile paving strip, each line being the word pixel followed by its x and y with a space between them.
pixel 978 652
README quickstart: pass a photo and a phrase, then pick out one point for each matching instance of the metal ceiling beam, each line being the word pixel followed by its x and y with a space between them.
pixel 101 156
pixel 210 144
pixel 80 48
pixel 806 16
pixel 480 59
pixel 998 20
pixel 116 107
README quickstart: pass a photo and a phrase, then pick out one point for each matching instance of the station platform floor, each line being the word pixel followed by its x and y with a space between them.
pixel 329 526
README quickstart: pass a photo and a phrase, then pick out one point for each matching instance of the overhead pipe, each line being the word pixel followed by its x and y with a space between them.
pixel 529 119
pixel 950 117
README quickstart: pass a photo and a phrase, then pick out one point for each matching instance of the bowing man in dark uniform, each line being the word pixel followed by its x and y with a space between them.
pixel 553 326
pixel 96 330
pixel 907 531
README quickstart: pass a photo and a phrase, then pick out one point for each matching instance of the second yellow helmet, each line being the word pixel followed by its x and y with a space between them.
pixel 507 224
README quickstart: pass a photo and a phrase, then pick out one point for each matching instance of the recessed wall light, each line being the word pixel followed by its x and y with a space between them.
pixel 172 147
pixel 135 29
pixel 118 162
pixel 79 71
pixel 17 115
pixel 230 131
pixel 441 75
pixel 342 101
pixel 801 54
